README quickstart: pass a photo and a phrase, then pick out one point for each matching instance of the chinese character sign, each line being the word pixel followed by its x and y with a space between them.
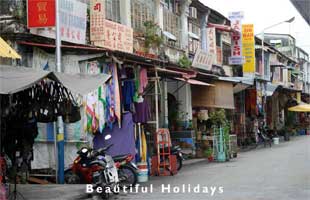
pixel 203 60
pixel 116 37
pixel 40 13
pixel 248 48
pixel 73 17
pixel 211 42
pixel 236 48
pixel 97 16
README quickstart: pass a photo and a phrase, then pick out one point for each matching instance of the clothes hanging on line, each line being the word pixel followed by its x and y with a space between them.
pixel 142 114
pixel 143 81
pixel 128 92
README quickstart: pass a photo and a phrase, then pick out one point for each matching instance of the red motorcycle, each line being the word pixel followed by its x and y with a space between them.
pixel 83 167
pixel 127 170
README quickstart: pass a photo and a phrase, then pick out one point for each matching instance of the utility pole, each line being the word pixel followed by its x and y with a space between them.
pixel 60 126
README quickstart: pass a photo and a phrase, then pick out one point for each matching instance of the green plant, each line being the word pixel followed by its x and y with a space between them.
pixel 185 62
pixel 218 118
pixel 208 152
pixel 151 36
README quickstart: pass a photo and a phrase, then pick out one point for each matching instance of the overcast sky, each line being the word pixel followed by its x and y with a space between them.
pixel 264 13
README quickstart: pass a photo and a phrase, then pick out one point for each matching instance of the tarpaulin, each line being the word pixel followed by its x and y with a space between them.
pixel 15 79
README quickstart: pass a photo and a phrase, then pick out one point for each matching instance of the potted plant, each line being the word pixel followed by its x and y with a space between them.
pixel 209 154
pixel 184 61
pixel 152 36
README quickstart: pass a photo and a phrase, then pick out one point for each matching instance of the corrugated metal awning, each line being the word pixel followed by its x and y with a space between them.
pixel 6 51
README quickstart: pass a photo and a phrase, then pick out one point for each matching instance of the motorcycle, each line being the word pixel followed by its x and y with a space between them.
pixel 93 167
pixel 127 170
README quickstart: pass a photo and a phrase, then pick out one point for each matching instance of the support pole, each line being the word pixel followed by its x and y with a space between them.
pixel 156 99
pixel 60 125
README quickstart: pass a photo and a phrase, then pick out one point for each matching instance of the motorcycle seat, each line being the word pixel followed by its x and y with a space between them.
pixel 120 157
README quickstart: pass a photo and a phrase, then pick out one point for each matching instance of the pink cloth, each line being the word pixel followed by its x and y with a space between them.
pixel 143 80
pixel 117 97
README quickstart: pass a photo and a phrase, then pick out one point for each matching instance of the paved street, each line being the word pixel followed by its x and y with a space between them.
pixel 281 172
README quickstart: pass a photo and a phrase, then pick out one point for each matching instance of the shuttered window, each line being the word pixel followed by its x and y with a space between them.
pixel 172 25
pixel 141 11
pixel 112 10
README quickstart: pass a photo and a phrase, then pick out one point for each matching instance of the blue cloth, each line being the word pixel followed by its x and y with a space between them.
pixel 123 138
pixel 128 91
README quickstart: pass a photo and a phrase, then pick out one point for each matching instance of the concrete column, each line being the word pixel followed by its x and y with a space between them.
pixel 184 24
pixel 125 12
pixel 158 13
pixel 203 30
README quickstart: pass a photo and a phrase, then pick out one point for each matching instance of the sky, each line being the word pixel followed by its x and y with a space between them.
pixel 264 13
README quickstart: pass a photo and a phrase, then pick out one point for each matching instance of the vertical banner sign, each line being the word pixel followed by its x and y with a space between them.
pixel 40 13
pixel 211 43
pixel 97 16
pixel 248 48
pixel 236 48
pixel 73 17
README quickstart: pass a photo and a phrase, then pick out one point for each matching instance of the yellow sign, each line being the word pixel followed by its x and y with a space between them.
pixel 248 48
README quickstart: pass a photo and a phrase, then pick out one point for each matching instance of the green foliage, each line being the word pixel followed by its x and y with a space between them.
pixel 185 62
pixel 151 36
pixel 208 152
pixel 218 118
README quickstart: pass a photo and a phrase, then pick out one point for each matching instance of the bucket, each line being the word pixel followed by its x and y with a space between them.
pixel 143 172
pixel 276 140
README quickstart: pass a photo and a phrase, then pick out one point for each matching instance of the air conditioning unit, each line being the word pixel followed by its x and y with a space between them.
pixel 193 12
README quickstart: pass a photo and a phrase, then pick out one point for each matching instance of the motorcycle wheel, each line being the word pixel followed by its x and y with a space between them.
pixel 179 163
pixel 71 177
pixel 130 174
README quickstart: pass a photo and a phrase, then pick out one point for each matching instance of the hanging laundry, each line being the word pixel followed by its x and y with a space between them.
pixel 128 92
pixel 142 114
pixel 143 81
pixel 113 104
pixel 137 83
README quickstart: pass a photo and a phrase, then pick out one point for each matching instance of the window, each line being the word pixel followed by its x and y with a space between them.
pixel 112 10
pixel 141 11
pixel 218 38
pixel 172 25
pixel 193 43
pixel 172 6
pixel 226 53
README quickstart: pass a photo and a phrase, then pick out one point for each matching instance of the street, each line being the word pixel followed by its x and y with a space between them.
pixel 281 172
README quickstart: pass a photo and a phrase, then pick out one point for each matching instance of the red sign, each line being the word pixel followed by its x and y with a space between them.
pixel 41 13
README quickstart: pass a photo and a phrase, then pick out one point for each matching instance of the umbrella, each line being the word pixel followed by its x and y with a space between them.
pixel 302 107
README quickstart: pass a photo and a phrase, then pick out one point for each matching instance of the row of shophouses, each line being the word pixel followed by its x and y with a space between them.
pixel 167 38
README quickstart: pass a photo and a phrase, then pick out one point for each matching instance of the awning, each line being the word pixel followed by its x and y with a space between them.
pixel 6 51
pixel 241 83
pixel 193 35
pixel 302 107
pixel 271 88
pixel 277 64
pixel 220 96
pixel 170 36
pixel 194 82
pixel 15 79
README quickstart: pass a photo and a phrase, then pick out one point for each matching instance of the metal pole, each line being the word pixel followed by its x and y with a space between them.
pixel 156 99
pixel 263 56
pixel 60 125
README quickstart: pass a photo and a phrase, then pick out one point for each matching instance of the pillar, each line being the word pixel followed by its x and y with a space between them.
pixel 125 12
pixel 184 24
pixel 203 30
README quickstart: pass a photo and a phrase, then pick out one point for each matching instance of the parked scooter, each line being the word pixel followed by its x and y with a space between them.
pixel 263 136
pixel 127 170
pixel 93 167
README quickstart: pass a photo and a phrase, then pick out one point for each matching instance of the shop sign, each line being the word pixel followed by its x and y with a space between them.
pixel 226 37
pixel 248 48
pixel 203 60
pixel 97 16
pixel 211 41
pixel 73 17
pixel 236 48
pixel 116 37
pixel 40 13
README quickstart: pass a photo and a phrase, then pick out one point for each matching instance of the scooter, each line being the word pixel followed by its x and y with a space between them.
pixel 127 170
